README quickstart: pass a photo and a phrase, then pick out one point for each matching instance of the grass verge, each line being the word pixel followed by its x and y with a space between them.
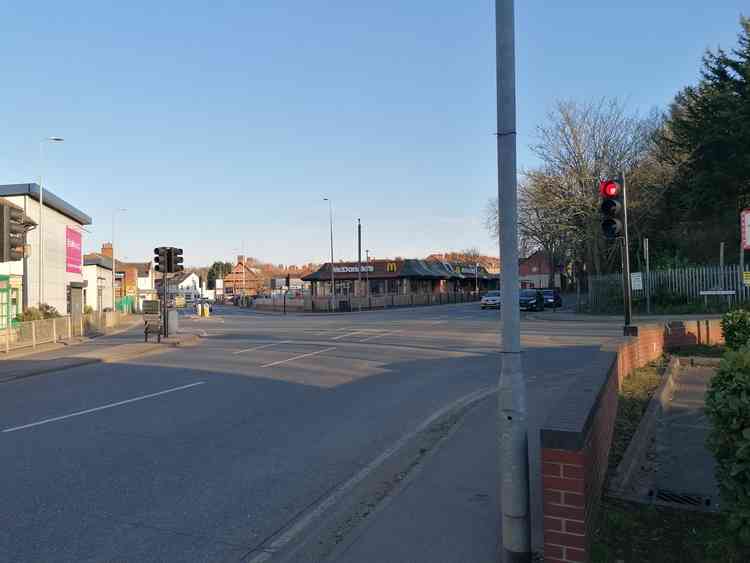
pixel 630 532
pixel 632 402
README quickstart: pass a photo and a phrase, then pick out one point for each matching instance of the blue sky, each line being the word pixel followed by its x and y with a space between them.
pixel 223 122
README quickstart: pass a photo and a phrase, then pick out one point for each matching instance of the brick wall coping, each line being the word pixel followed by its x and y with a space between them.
pixel 567 426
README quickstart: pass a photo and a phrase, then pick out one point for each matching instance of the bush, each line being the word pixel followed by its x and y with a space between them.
pixel 736 328
pixel 34 314
pixel 88 309
pixel 728 407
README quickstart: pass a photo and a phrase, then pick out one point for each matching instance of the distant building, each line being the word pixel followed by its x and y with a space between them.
pixel 243 279
pixel 401 277
pixel 62 282
pixel 536 269
pixel 97 272
pixel 183 284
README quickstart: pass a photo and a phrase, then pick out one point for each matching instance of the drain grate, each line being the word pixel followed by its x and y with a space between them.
pixel 665 495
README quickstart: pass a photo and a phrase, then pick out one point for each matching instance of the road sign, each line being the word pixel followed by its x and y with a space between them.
pixel 746 278
pixel 636 281
pixel 745 228
pixel 152 319
pixel 179 301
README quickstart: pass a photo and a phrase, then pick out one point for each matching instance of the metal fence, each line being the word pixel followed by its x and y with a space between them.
pixel 352 303
pixel 34 333
pixel 672 290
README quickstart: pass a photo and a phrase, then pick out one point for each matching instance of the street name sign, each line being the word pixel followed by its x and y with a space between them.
pixel 636 281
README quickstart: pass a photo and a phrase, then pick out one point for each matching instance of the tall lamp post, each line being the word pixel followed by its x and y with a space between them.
pixel 367 271
pixel 41 213
pixel 514 469
pixel 114 262
pixel 330 219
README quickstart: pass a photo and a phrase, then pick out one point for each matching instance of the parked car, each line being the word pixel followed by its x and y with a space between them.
pixel 531 300
pixel 490 300
pixel 552 298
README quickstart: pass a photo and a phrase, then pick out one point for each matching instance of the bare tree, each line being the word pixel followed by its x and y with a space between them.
pixel 579 144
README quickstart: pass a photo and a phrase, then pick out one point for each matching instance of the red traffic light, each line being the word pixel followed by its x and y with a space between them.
pixel 609 188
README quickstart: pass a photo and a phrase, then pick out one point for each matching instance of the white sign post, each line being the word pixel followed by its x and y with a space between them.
pixel 636 281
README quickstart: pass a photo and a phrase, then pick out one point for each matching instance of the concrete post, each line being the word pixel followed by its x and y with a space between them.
pixel 70 329
pixel 54 331
pixel 33 334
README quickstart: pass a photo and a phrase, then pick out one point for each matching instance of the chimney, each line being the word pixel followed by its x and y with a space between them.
pixel 107 249
pixel 240 259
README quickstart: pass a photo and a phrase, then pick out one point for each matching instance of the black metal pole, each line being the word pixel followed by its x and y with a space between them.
pixel 628 329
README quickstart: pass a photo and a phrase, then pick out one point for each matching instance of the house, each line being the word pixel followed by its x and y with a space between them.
pixel 536 270
pixel 183 284
pixel 243 280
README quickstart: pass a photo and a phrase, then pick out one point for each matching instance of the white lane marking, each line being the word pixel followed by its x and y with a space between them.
pixel 339 337
pixel 305 520
pixel 107 406
pixel 299 357
pixel 438 322
pixel 379 335
pixel 264 346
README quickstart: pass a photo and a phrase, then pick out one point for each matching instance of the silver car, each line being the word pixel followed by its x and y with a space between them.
pixel 490 300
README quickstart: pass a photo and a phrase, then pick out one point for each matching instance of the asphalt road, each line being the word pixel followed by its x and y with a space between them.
pixel 207 453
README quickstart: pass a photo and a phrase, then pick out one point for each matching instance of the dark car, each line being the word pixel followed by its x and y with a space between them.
pixel 552 298
pixel 531 300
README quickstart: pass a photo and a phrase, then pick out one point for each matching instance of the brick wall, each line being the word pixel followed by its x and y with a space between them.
pixel 573 477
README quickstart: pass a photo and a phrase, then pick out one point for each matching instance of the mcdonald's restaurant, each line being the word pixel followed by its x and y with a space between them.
pixel 400 277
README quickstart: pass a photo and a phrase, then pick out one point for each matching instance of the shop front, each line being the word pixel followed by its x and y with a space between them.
pixel 10 299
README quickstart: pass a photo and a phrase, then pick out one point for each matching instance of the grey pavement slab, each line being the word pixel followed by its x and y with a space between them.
pixel 686 466
pixel 449 512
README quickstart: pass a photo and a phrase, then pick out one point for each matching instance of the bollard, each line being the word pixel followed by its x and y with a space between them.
pixel 33 334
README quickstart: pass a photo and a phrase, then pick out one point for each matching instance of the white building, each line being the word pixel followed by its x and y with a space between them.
pixel 97 272
pixel 186 284
pixel 60 281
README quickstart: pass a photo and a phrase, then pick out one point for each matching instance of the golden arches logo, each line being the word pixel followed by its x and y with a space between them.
pixel 391 267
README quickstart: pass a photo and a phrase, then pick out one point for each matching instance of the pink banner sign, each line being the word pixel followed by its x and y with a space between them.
pixel 72 251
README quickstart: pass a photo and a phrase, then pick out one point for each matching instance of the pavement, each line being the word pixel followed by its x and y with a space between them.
pixel 685 465
pixel 284 438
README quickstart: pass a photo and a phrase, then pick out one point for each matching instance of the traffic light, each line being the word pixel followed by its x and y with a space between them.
pixel 13 227
pixel 174 260
pixel 160 259
pixel 611 208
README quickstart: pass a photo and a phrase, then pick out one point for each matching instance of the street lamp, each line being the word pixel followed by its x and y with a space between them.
pixel 367 270
pixel 41 213
pixel 330 219
pixel 114 263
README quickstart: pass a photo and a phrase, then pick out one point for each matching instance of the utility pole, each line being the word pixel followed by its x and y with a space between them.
pixel 514 454
pixel 629 330
pixel 359 262
pixel 648 276
pixel 333 281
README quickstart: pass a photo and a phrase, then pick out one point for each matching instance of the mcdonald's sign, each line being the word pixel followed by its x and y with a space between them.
pixel 391 267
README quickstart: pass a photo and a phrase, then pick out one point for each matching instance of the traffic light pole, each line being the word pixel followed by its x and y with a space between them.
pixel 628 329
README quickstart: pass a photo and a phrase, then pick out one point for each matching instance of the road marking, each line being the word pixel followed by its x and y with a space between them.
pixel 107 406
pixel 379 335
pixel 299 357
pixel 264 346
pixel 339 337
pixel 297 527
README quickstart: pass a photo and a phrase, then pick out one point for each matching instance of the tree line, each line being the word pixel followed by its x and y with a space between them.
pixel 687 171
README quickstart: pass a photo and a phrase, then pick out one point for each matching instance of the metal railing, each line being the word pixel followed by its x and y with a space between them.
pixel 675 288
pixel 364 303
pixel 46 331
